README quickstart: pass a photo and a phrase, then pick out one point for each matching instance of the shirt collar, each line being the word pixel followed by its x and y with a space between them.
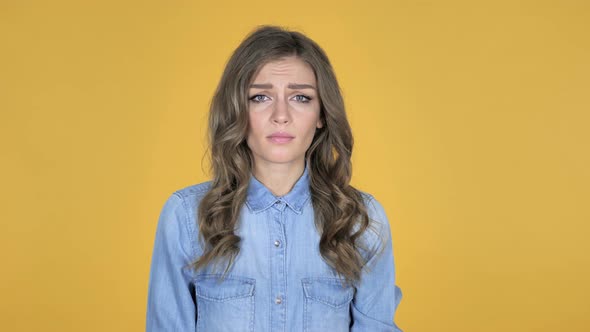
pixel 260 197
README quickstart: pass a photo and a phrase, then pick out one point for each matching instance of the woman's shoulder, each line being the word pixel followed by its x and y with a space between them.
pixel 379 228
pixel 374 207
pixel 179 214
pixel 367 197
pixel 194 192
pixel 188 198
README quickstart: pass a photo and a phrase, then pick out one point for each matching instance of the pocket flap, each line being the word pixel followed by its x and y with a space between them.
pixel 327 290
pixel 210 287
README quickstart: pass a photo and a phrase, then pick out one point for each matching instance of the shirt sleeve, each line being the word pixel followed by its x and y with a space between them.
pixel 377 295
pixel 170 304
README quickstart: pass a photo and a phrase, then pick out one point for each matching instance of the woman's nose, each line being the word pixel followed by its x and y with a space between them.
pixel 280 111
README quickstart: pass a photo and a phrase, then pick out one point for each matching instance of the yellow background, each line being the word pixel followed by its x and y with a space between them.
pixel 471 127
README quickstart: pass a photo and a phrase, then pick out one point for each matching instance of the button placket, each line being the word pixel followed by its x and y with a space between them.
pixel 278 261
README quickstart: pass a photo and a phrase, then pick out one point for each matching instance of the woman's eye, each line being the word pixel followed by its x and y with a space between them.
pixel 256 98
pixel 299 98
pixel 304 99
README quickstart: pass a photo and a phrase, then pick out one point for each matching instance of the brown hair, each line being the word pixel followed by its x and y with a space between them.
pixel 340 212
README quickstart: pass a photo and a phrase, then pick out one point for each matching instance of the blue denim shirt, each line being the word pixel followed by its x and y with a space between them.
pixel 279 281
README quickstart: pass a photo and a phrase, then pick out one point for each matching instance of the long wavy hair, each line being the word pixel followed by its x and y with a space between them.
pixel 339 209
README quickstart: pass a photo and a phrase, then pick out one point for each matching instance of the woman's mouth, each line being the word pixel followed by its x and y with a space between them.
pixel 280 139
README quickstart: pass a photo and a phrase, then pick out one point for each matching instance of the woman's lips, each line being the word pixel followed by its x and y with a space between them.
pixel 280 139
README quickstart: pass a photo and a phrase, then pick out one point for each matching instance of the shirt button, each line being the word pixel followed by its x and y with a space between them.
pixel 277 242
pixel 278 300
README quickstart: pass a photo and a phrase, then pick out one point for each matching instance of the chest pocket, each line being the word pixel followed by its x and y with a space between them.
pixel 327 304
pixel 226 305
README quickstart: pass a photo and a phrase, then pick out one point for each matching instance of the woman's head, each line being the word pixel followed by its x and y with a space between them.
pixel 242 116
pixel 240 126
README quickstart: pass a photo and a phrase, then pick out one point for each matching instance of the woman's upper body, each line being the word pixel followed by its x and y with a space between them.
pixel 279 281
pixel 279 213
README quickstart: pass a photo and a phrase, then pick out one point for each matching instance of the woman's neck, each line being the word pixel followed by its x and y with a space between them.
pixel 278 178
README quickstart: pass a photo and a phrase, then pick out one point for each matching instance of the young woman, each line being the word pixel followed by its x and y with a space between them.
pixel 278 240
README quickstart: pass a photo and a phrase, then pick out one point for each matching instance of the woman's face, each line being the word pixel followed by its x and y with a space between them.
pixel 283 100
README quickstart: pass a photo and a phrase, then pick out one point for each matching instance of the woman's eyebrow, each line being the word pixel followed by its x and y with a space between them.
pixel 290 86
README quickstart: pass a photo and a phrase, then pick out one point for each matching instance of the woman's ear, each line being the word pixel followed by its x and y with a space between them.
pixel 320 123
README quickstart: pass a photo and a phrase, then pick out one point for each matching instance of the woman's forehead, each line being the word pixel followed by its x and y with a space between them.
pixel 292 67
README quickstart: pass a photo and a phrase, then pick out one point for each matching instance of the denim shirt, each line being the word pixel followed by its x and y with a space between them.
pixel 279 281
